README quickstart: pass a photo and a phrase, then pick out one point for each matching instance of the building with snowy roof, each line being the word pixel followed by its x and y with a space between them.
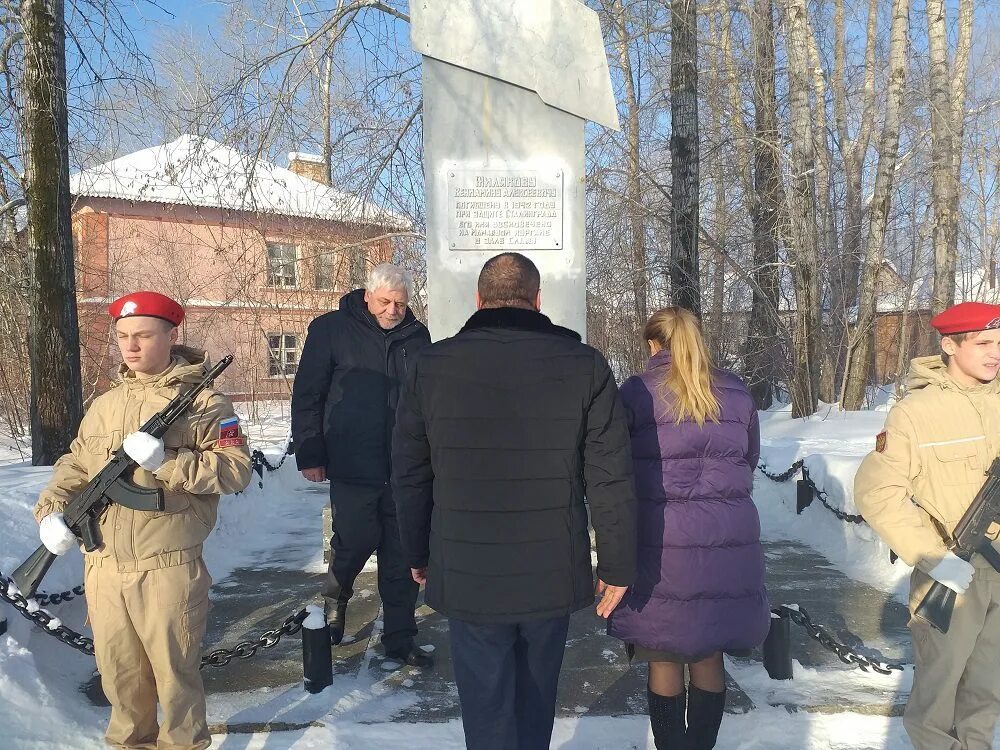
pixel 253 251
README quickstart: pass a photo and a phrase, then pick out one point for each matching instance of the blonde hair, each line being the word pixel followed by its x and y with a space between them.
pixel 689 377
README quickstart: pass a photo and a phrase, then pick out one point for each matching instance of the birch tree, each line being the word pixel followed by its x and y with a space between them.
pixel 861 348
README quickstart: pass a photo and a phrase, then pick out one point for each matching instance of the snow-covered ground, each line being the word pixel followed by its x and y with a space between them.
pixel 50 713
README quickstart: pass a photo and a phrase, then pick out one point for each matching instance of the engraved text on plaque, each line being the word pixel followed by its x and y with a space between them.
pixel 505 209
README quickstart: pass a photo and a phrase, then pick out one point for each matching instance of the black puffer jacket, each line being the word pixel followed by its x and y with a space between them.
pixel 346 389
pixel 501 433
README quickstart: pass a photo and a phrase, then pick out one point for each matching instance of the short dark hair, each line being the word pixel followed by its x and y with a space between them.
pixel 509 280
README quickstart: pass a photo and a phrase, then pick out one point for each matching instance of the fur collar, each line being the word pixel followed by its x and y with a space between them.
pixel 517 318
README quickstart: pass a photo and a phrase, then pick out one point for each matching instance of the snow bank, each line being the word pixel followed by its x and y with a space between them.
pixel 831 445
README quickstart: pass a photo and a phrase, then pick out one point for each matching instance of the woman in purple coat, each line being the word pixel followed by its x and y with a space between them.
pixel 699 588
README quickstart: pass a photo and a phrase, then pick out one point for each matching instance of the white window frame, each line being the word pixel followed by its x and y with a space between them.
pixel 283 360
pixel 274 281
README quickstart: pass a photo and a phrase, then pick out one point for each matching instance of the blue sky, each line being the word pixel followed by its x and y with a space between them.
pixel 145 18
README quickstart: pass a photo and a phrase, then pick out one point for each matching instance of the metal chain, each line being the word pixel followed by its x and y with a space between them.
pixel 783 476
pixel 218 658
pixel 247 649
pixel 45 620
pixel 258 461
pixel 817 492
pixel 48 600
pixel 847 655
pixel 821 496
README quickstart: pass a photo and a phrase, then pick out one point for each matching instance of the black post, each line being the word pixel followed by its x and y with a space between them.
pixel 803 492
pixel 317 654
pixel 778 647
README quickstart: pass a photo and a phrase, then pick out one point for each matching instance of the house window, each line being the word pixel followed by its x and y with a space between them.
pixel 327 268
pixel 284 354
pixel 281 265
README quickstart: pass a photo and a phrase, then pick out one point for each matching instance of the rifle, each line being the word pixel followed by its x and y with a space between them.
pixel 970 537
pixel 112 485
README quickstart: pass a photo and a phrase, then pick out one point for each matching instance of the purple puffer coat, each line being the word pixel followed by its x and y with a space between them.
pixel 699 586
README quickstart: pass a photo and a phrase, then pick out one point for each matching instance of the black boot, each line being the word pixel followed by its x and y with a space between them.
pixel 411 655
pixel 705 711
pixel 666 716
pixel 336 618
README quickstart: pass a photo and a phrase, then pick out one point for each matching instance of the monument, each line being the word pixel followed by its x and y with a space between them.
pixel 507 90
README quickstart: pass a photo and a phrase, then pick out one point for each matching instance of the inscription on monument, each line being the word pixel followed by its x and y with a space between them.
pixel 505 209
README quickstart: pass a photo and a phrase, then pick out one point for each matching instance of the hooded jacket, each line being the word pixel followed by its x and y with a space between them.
pixel 196 471
pixel 930 462
pixel 346 389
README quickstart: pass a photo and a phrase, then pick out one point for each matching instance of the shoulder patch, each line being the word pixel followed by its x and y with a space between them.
pixel 880 441
pixel 229 428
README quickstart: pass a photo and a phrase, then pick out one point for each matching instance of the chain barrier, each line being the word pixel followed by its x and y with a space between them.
pixel 783 476
pixel 822 497
pixel 818 493
pixel 845 653
pixel 32 611
pixel 49 600
pixel 248 649
pixel 259 462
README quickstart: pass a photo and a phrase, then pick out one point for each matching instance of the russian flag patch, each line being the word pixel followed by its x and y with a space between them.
pixel 229 432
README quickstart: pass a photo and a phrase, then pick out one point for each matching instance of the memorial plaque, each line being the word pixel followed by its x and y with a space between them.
pixel 505 209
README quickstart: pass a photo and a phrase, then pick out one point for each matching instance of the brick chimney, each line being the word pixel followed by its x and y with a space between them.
pixel 309 166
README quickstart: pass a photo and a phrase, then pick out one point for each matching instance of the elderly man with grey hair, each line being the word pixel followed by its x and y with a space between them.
pixel 344 398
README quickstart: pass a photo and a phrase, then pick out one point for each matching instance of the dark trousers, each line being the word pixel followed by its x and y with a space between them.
pixel 507 677
pixel 364 521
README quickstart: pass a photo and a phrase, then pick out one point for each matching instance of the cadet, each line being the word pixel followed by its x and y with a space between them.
pixel 928 465
pixel 147 586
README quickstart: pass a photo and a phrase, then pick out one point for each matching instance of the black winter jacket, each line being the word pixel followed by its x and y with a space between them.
pixel 502 431
pixel 346 389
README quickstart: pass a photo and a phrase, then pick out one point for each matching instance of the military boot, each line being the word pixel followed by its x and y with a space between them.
pixel 336 619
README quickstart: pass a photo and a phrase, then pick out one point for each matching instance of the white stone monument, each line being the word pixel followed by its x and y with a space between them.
pixel 508 86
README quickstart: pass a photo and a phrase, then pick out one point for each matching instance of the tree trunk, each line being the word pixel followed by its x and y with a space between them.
pixel 328 116
pixel 845 265
pixel 762 354
pixel 53 334
pixel 862 347
pixel 633 190
pixel 959 78
pixel 802 205
pixel 944 190
pixel 713 319
pixel 685 283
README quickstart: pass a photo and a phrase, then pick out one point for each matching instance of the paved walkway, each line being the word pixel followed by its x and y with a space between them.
pixel 596 679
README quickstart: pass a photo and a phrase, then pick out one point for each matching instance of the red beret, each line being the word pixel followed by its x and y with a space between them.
pixel 967 317
pixel 147 304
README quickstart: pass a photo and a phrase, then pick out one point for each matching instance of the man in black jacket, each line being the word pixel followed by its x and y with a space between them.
pixel 501 433
pixel 343 411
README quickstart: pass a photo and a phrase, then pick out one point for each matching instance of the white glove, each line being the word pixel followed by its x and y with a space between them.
pixel 145 450
pixel 55 534
pixel 954 572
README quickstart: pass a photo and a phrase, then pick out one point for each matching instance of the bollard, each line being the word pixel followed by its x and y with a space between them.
pixel 3 625
pixel 778 647
pixel 317 654
pixel 803 493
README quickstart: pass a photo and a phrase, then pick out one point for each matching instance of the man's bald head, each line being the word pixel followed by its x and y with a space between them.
pixel 509 280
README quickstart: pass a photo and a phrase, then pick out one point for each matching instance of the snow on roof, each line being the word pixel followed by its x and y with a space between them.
pixel 196 171
pixel 303 156
pixel 972 284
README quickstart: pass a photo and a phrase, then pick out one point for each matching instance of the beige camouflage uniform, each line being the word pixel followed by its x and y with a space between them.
pixel 147 586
